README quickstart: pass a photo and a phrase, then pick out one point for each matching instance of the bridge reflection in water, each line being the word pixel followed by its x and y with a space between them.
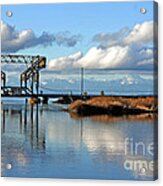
pixel 28 124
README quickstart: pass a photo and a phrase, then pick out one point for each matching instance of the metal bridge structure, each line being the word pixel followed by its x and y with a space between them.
pixel 29 78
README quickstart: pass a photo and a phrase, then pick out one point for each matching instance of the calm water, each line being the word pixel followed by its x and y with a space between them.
pixel 44 141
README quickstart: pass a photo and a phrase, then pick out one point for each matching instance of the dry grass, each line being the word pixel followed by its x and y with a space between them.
pixel 145 103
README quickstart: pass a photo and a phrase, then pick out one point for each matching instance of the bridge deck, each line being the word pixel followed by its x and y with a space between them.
pixel 45 95
pixel 69 95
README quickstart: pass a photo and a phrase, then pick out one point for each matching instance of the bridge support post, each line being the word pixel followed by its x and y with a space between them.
pixel 37 83
pixel 3 78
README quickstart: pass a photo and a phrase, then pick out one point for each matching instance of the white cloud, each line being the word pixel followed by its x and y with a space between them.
pixel 141 34
pixel 95 58
pixel 14 40
pixel 130 51
pixel 110 57
pixel 65 62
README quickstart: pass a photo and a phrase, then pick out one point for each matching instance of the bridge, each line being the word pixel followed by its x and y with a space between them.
pixel 29 79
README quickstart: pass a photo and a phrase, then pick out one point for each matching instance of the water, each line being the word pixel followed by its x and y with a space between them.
pixel 44 141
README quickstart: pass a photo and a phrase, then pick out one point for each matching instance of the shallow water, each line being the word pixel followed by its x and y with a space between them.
pixel 44 141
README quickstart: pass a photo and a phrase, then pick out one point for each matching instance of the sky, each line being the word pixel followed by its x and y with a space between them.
pixel 113 35
pixel 75 30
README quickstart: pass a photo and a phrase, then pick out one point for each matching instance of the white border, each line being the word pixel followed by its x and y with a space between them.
pixel 56 182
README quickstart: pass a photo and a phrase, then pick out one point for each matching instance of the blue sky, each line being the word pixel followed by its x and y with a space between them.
pixel 89 35
pixel 86 19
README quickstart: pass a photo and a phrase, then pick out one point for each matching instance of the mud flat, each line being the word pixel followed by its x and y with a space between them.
pixel 115 105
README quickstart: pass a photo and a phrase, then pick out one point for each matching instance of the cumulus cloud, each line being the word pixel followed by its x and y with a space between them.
pixel 129 49
pixel 108 39
pixel 110 57
pixel 95 58
pixel 141 34
pixel 65 62
pixel 13 40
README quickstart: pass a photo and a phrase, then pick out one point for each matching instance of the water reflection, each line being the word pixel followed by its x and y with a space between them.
pixel 111 119
pixel 42 141
pixel 27 122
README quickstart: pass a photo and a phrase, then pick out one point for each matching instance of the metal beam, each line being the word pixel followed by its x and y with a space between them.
pixel 23 59
pixel 29 79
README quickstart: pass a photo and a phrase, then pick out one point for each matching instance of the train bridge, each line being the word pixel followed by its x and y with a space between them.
pixel 29 79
